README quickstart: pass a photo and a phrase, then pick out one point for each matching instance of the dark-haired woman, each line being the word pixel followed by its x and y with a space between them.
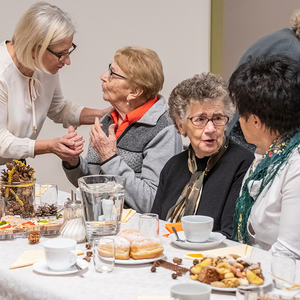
pixel 266 92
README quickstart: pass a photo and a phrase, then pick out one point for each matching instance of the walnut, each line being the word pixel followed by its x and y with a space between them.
pixel 153 269
pixel 174 275
pixel 33 237
pixel 88 246
pixel 89 253
pixel 195 262
pixel 177 260
pixel 87 258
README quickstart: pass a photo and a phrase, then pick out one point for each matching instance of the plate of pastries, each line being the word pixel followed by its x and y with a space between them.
pixel 132 247
pixel 226 273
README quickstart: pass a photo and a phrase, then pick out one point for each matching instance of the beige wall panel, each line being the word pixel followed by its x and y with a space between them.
pixel 247 21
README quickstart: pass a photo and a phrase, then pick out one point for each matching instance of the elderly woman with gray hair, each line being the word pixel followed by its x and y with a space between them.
pixel 206 178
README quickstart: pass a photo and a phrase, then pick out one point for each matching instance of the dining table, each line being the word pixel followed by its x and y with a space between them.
pixel 126 281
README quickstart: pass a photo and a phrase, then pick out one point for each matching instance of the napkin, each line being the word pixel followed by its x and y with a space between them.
pixel 169 226
pixel 39 190
pixel 30 257
pixel 241 250
pixel 153 298
pixel 127 214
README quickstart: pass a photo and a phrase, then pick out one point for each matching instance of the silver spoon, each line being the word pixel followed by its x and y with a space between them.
pixel 177 236
pixel 78 267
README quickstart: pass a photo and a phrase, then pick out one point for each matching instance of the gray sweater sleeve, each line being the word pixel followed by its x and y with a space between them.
pixel 140 190
pixel 81 170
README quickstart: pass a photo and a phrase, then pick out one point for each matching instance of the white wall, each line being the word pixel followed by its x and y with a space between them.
pixel 179 31
pixel 244 22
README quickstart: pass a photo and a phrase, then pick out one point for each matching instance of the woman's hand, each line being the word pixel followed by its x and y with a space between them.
pixel 88 115
pixel 105 146
pixel 68 147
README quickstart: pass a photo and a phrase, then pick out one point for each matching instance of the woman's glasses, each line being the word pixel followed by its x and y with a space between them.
pixel 62 56
pixel 111 72
pixel 201 121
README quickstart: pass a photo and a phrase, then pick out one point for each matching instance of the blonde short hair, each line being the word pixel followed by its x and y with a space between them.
pixel 143 69
pixel 295 23
pixel 41 26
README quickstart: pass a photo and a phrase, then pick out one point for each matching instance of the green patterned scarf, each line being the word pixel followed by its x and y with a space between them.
pixel 273 160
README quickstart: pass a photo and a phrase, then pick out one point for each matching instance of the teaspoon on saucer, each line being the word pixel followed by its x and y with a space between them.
pixel 78 267
pixel 177 236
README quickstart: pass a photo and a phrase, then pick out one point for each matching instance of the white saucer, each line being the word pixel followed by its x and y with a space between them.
pixel 215 239
pixel 42 267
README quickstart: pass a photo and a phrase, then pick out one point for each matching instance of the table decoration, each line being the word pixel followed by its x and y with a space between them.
pixel 17 185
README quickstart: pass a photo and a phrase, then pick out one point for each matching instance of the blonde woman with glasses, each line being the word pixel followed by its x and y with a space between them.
pixel 30 89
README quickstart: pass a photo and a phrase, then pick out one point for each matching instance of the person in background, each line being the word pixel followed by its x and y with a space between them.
pixel 30 89
pixel 286 42
pixel 138 137
pixel 266 93
pixel 206 178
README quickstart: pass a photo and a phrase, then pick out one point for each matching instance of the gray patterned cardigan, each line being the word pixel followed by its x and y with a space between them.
pixel 142 151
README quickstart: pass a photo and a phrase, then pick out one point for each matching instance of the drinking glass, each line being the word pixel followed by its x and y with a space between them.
pixel 149 225
pixel 104 254
pixel 48 194
pixel 249 293
pixel 283 267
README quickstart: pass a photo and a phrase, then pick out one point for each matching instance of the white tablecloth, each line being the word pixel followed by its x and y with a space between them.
pixel 125 282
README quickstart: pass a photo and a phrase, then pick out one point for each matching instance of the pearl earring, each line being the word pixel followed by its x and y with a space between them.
pixel 127 102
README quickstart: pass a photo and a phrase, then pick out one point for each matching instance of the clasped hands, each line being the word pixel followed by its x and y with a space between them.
pixel 70 146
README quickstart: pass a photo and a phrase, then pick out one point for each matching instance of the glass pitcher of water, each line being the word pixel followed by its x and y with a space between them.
pixel 103 199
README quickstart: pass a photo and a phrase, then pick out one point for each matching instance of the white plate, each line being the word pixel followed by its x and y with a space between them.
pixel 132 261
pixel 215 239
pixel 267 282
pixel 42 267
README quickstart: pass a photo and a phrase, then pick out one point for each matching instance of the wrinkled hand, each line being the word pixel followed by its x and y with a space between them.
pixel 105 146
pixel 68 147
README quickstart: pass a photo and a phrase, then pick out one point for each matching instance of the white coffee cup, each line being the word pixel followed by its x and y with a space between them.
pixel 190 291
pixel 60 253
pixel 197 229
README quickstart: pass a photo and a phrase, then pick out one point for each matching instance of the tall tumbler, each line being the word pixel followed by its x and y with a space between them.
pixel 102 199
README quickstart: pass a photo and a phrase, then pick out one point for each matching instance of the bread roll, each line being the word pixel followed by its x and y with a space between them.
pixel 130 234
pixel 106 250
pixel 122 248
pixel 143 248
